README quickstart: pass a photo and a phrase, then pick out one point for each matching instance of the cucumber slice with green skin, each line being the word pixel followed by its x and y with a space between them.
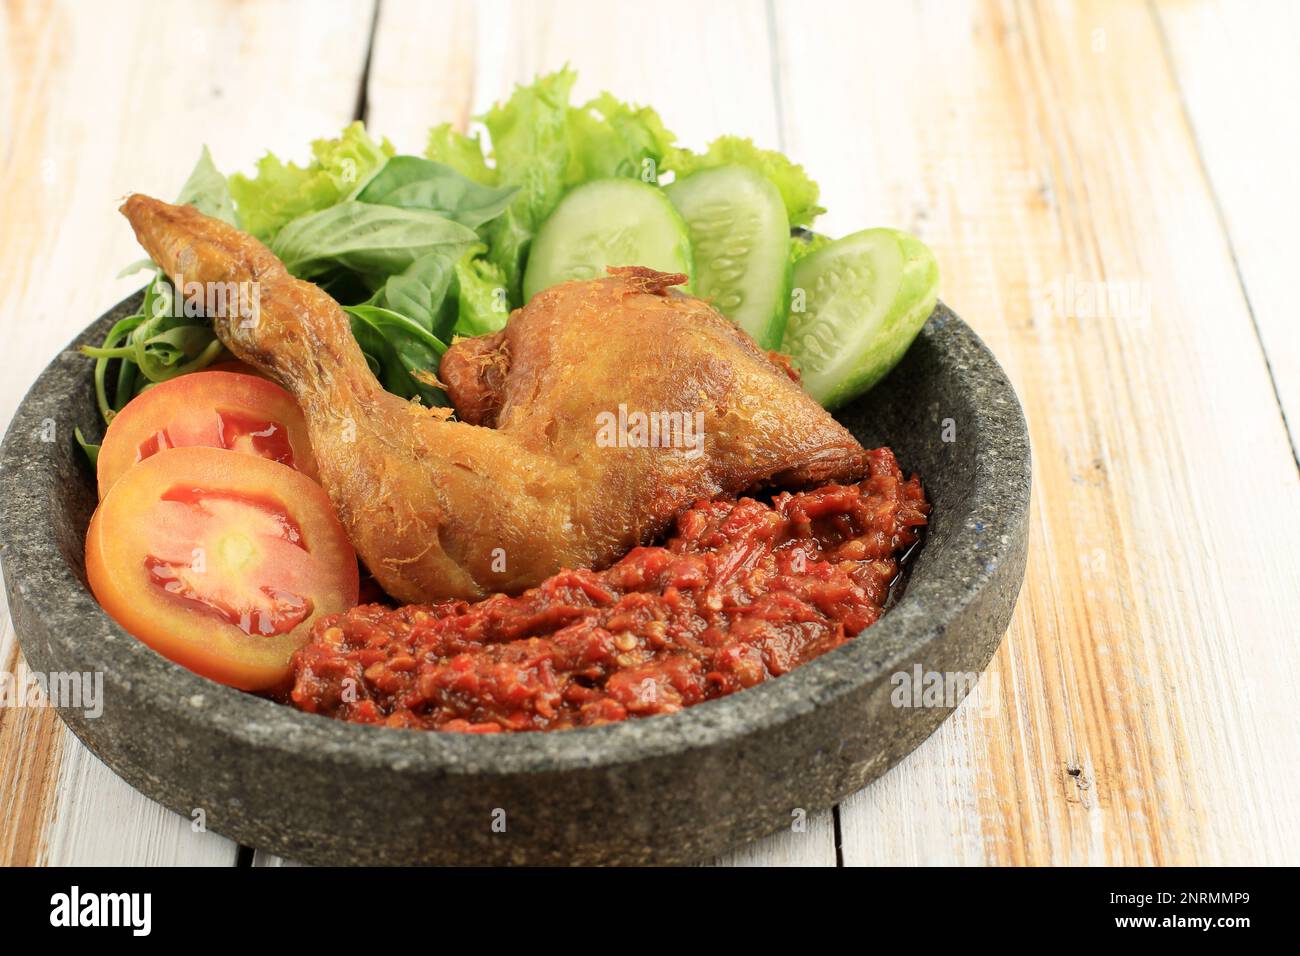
pixel 856 305
pixel 740 235
pixel 608 222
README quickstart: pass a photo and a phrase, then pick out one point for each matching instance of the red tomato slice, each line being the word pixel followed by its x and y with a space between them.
pixel 218 409
pixel 220 561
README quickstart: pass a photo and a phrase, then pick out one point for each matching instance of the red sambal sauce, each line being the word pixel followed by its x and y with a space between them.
pixel 744 591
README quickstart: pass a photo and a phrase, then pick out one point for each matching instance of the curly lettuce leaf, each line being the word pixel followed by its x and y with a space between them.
pixel 530 146
pixel 797 190
pixel 608 137
pixel 282 192
pixel 462 153
pixel 804 242
pixel 481 295
pixel 545 146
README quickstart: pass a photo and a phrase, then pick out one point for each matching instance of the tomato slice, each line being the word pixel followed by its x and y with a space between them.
pixel 220 561
pixel 239 412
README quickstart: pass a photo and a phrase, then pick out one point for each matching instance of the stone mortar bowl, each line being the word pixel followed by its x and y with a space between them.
pixel 666 789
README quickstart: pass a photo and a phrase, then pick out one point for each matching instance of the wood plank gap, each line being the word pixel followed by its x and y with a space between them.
pixel 363 88
pixel 1194 134
pixel 839 836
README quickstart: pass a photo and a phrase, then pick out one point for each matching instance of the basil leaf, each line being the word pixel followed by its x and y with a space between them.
pixel 373 240
pixel 399 346
pixel 424 292
pixel 208 192
pixel 414 183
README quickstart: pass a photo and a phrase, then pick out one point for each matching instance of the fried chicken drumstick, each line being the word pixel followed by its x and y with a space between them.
pixel 525 483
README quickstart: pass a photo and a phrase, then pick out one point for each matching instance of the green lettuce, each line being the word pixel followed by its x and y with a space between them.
pixel 208 191
pixel 804 242
pixel 610 138
pixel 545 146
pixel 462 153
pixel 482 305
pixel 530 146
pixel 282 192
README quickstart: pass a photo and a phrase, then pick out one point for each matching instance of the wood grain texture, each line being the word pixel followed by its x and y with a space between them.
pixel 96 102
pixel 1107 187
pixel 1232 64
pixel 1043 152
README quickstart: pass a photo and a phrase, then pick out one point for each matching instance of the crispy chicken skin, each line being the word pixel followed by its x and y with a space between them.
pixel 521 486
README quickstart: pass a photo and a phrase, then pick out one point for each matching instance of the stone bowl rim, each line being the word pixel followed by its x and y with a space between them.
pixel 31 551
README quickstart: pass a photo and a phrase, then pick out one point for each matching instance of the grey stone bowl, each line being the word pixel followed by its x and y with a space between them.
pixel 667 789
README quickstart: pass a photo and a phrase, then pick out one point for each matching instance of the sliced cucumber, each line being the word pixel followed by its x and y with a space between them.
pixel 740 235
pixel 856 305
pixel 608 222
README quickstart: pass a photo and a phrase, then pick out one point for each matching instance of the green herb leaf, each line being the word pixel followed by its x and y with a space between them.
pixel 377 241
pixel 140 265
pixel 396 347
pixel 462 153
pixel 105 353
pixel 208 192
pixel 282 192
pixel 415 183
pixel 530 144
pixel 424 292
pixel 91 450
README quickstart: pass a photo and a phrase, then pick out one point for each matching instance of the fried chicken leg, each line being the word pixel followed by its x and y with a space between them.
pixel 601 411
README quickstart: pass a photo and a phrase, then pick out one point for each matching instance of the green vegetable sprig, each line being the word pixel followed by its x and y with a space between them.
pixel 418 250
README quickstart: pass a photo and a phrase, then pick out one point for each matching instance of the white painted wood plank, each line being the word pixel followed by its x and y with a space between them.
pixel 1235 68
pixel 1148 675
pixel 446 61
pixel 810 841
pixel 97 101
pixel 422 69
pixel 262 858
pixel 1152 651
pixel 102 821
pixel 926 811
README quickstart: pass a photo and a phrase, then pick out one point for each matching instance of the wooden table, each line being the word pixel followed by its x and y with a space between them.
pixel 1111 191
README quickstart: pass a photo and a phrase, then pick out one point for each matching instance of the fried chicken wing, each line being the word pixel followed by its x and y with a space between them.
pixel 600 412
